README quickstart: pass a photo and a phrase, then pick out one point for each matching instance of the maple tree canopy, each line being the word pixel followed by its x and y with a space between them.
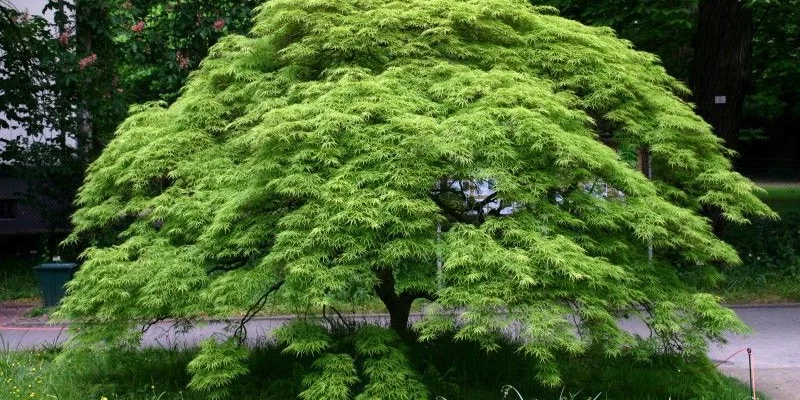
pixel 344 148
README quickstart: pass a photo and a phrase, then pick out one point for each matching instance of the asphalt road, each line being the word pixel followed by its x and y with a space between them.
pixel 775 344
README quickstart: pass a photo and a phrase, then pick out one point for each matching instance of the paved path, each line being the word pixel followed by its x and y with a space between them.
pixel 775 343
pixel 19 334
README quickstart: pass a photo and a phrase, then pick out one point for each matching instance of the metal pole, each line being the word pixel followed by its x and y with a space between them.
pixel 649 176
pixel 438 256
pixel 647 170
pixel 752 375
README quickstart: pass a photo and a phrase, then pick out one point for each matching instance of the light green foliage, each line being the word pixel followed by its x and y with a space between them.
pixel 337 374
pixel 303 338
pixel 370 354
pixel 389 374
pixel 216 366
pixel 324 149
pixel 663 27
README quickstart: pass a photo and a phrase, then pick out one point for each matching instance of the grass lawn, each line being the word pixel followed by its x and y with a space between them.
pixel 458 371
pixel 782 197
pixel 770 252
pixel 17 280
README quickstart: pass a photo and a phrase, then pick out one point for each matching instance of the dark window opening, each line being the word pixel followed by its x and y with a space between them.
pixel 8 208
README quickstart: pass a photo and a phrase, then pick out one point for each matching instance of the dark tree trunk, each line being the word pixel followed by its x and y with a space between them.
pixel 399 311
pixel 721 67
pixel 720 75
pixel 718 222
pixel 398 305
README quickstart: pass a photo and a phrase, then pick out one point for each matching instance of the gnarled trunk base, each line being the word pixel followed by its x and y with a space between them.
pixel 398 305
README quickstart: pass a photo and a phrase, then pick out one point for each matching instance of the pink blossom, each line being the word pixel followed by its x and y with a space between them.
pixel 138 27
pixel 63 38
pixel 219 24
pixel 21 18
pixel 87 61
pixel 183 60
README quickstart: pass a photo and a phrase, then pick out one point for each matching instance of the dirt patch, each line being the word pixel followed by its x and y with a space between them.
pixel 13 312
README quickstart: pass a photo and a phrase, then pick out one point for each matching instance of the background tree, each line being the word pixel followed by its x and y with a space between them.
pixel 23 40
pixel 772 108
pixel 661 27
pixel 745 51
pixel 66 82
pixel 315 158
pixel 776 73
pixel 159 42
pixel 722 64
pixel 38 72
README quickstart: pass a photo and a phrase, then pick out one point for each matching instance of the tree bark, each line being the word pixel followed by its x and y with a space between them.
pixel 398 305
pixel 722 63
pixel 398 315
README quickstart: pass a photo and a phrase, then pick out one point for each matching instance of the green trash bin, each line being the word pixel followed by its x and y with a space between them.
pixel 52 278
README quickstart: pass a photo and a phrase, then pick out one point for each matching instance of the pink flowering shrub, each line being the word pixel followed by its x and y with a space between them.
pixel 87 61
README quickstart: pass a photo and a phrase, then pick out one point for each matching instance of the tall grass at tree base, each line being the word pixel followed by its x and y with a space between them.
pixel 451 370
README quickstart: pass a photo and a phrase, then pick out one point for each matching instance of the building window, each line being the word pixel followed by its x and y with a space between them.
pixel 8 208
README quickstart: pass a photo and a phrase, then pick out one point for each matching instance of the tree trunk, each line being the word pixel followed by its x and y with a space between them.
pixel 721 67
pixel 720 75
pixel 398 315
pixel 399 306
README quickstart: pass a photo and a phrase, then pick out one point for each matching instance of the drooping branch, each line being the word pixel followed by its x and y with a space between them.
pixel 226 267
pixel 241 331
pixel 470 203
pixel 341 322
pixel 489 199
pixel 149 324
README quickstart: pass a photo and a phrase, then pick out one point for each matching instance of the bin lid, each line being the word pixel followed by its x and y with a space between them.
pixel 56 266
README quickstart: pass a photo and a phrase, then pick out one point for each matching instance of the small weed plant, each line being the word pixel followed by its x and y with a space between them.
pixel 23 376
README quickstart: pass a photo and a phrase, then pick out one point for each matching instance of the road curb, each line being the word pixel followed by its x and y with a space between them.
pixel 737 306
pixel 34 328
pixel 286 317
